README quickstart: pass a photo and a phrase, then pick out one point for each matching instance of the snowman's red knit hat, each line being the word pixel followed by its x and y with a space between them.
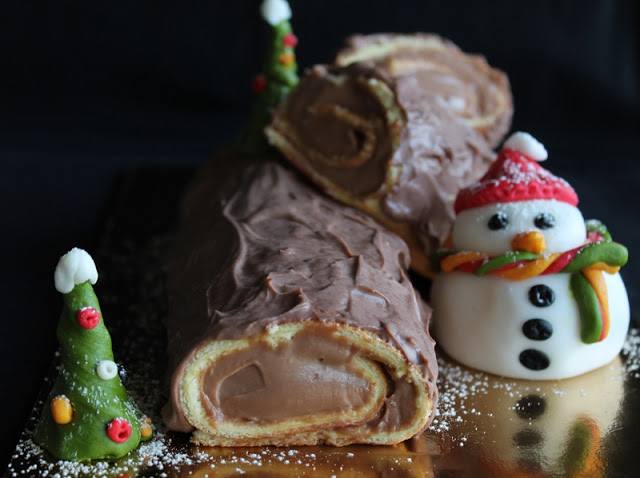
pixel 516 176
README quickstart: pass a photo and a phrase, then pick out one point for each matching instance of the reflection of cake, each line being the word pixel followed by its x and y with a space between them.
pixel 397 145
pixel 538 286
pixel 316 462
pixel 292 321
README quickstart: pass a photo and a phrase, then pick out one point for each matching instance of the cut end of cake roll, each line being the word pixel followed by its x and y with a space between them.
pixel 342 126
pixel 292 321
pixel 371 142
pixel 303 383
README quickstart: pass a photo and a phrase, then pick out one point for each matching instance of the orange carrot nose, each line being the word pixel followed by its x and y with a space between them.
pixel 532 241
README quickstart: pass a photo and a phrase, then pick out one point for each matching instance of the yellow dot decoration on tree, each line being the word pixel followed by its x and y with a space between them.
pixel 286 59
pixel 61 410
pixel 145 427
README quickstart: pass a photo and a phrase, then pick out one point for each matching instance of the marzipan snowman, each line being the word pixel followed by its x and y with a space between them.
pixel 529 290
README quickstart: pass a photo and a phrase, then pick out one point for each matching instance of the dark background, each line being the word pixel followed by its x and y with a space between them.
pixel 89 90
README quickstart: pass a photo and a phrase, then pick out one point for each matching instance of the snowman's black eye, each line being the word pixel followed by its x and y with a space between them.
pixel 544 221
pixel 498 221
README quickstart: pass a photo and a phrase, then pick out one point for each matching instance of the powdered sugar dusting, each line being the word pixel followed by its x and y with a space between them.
pixel 133 290
pixel 163 457
pixel 518 174
pixel 468 396
pixel 631 353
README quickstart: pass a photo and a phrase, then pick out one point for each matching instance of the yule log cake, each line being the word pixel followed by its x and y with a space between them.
pixel 292 321
pixel 396 128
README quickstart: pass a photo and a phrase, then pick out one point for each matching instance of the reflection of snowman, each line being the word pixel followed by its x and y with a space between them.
pixel 530 290
pixel 536 428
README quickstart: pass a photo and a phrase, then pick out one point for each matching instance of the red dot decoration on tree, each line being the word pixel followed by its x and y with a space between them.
pixel 119 430
pixel 88 317
pixel 290 40
pixel 258 84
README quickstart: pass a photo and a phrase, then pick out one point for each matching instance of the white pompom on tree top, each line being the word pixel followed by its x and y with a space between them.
pixel 75 267
pixel 275 11
pixel 527 145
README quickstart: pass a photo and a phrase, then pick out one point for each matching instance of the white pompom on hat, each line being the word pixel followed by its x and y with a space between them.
pixel 75 267
pixel 527 145
pixel 275 11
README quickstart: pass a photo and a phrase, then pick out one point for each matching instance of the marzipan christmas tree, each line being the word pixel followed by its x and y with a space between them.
pixel 279 74
pixel 88 414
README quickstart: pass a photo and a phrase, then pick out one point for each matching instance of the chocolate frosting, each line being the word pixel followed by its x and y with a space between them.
pixel 437 158
pixel 463 84
pixel 263 248
pixel 421 157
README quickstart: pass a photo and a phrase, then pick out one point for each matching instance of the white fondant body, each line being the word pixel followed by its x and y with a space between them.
pixel 470 231
pixel 478 321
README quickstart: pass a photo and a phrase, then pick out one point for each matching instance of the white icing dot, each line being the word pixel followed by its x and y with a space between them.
pixel 75 267
pixel 527 145
pixel 275 11
pixel 107 369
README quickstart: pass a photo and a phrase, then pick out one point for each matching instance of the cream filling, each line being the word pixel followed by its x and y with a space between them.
pixel 310 374
pixel 296 378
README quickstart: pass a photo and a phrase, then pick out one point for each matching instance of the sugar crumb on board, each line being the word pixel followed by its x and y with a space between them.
pixel 140 350
pixel 459 387
pixel 165 456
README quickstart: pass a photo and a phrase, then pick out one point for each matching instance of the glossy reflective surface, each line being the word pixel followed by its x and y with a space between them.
pixel 506 427
pixel 486 426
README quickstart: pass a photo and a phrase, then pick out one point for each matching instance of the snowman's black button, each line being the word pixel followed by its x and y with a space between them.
pixel 529 464
pixel 528 438
pixel 534 359
pixel 541 295
pixel 537 329
pixel 531 407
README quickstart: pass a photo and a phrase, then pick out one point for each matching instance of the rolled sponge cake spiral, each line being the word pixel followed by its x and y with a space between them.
pixel 292 321
pixel 377 147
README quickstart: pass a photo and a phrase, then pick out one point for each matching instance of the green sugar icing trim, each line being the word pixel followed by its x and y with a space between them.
pixel 591 322
pixel 280 79
pixel 95 401
pixel 611 253
pixel 504 260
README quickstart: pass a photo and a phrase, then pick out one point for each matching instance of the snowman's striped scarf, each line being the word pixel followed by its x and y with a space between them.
pixel 585 264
